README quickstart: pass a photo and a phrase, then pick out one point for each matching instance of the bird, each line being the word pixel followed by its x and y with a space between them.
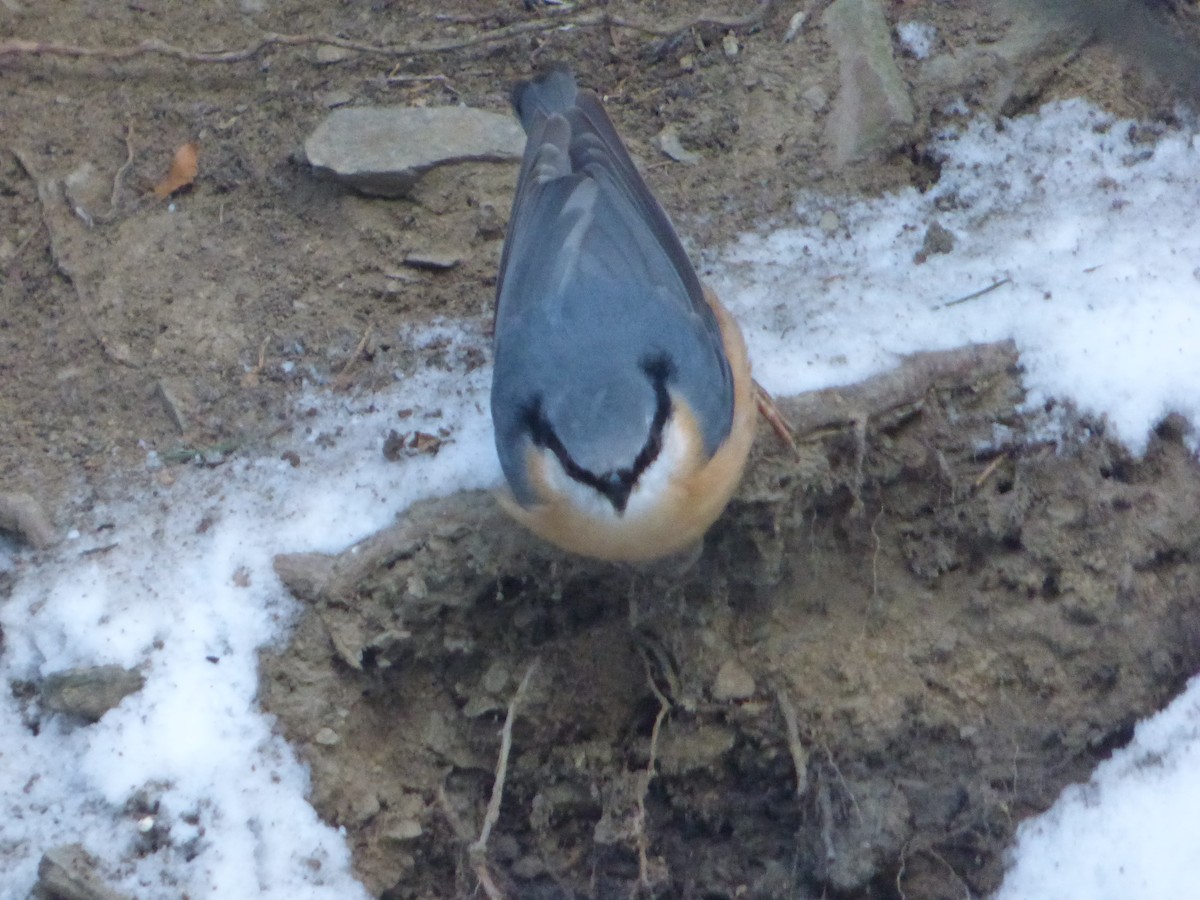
pixel 622 399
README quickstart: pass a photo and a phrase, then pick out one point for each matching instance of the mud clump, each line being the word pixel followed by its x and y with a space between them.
pixel 942 605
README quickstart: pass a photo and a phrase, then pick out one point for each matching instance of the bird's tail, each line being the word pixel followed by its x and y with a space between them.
pixel 554 91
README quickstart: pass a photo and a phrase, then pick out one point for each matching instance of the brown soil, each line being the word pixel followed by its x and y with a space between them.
pixel 953 637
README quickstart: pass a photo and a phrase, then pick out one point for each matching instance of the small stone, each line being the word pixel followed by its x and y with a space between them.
pixel 668 143
pixel 729 44
pixel 829 222
pixel 873 111
pixel 816 97
pixel 328 54
pixel 795 23
pixel 176 398
pixel 733 682
pixel 687 62
pixel 937 240
pixel 88 192
pixel 489 223
pixel 333 99
pixel 364 809
pixel 416 587
pixel 24 517
pixel 89 693
pixel 327 737
pixel 69 873
pixel 404 830
pixel 495 679
pixel 434 261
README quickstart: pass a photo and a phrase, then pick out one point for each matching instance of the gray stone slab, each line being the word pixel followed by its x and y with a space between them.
pixel 383 151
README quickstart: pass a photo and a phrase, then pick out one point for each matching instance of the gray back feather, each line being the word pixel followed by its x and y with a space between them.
pixel 593 286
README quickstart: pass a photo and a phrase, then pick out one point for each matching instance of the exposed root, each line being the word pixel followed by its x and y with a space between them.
pixel 819 413
pixel 477 851
pixel 641 835
pixel 797 749
pixel 111 214
pixel 156 47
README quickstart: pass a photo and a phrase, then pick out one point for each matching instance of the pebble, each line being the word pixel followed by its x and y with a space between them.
pixel 88 693
pixel 69 873
pixel 733 682
pixel 327 737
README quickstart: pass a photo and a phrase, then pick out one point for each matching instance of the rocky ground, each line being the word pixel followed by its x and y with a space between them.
pixel 892 650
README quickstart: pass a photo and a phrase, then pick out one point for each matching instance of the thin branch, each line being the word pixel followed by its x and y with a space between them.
pixel 976 294
pixel 154 46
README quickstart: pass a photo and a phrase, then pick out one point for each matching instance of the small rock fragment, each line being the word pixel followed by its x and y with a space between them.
pixel 668 143
pixel 873 110
pixel 87 191
pixel 328 54
pixel 795 23
pixel 489 223
pixel 24 517
pixel 729 44
pixel 733 682
pixel 816 98
pixel 432 260
pixel 937 240
pixel 69 873
pixel 327 737
pixel 404 830
pixel 333 99
pixel 304 574
pixel 829 222
pixel 89 693
pixel 384 151
pixel 176 399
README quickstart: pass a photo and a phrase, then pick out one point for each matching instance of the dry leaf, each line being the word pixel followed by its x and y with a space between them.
pixel 184 167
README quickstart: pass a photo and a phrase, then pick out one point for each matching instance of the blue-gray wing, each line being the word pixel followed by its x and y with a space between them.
pixel 594 287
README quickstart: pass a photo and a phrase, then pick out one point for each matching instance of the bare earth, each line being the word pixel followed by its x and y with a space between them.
pixel 891 651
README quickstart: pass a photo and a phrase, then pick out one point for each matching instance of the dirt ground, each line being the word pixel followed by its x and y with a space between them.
pixel 893 649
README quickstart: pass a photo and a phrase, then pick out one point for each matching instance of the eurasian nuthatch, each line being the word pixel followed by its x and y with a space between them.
pixel 622 398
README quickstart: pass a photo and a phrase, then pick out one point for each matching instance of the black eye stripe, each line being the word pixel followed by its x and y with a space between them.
pixel 617 485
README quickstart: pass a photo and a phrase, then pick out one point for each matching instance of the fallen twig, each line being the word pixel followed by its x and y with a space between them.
pixel 906 385
pixel 342 381
pixel 977 294
pixel 108 216
pixel 154 46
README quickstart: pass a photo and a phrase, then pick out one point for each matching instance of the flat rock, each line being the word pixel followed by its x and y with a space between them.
pixel 69 873
pixel 384 151
pixel 873 111
pixel 23 516
pixel 89 693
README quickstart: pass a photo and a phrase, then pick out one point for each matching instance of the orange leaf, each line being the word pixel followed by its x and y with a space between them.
pixel 184 167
